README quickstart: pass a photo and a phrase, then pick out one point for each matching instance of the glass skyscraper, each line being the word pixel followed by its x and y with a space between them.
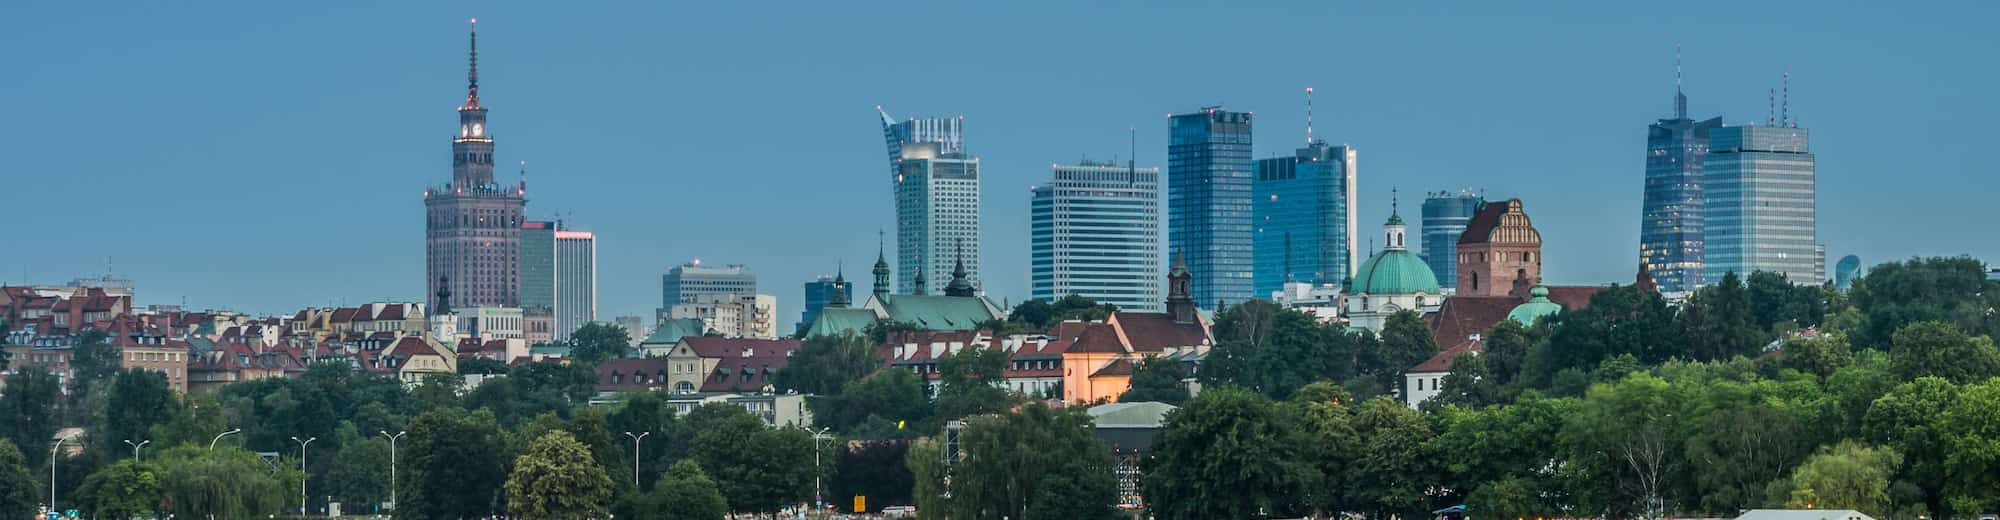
pixel 690 282
pixel 1094 230
pixel 1671 235
pixel 575 280
pixel 937 201
pixel 1304 219
pixel 1209 181
pixel 1760 212
pixel 1445 217
pixel 538 267
pixel 819 293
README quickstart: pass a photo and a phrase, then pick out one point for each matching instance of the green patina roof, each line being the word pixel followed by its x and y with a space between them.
pixel 671 331
pixel 841 321
pixel 1395 272
pixel 938 312
pixel 1537 307
pixel 550 348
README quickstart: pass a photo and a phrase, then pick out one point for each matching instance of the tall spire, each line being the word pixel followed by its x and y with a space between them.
pixel 881 270
pixel 1309 116
pixel 1680 99
pixel 472 70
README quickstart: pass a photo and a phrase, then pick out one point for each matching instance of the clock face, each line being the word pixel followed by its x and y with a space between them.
pixel 464 131
pixel 478 129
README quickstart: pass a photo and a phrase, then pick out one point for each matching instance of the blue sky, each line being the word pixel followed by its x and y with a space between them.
pixel 266 156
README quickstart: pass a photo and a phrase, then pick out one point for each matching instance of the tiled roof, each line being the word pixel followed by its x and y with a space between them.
pixel 836 322
pixel 939 312
pixel 1098 338
pixel 719 347
pixel 671 331
pixel 653 369
pixel 1442 361
pixel 1121 367
pixel 1483 222
pixel 411 346
pixel 1156 331
pixel 393 311
pixel 344 314
pixel 745 374
pixel 1460 317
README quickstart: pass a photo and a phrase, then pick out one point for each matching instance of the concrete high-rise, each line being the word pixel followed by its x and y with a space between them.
pixel 473 225
pixel 936 187
pixel 1445 216
pixel 575 280
pixel 1094 230
pixel 1304 218
pixel 1760 212
pixel 1209 179
pixel 690 282
pixel 1672 216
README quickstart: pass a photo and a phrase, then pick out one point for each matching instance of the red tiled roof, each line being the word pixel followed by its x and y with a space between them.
pixel 393 311
pixel 1156 331
pixel 745 374
pixel 1121 367
pixel 344 314
pixel 1098 338
pixel 1442 361
pixel 1462 316
pixel 410 346
pixel 719 347
pixel 1483 222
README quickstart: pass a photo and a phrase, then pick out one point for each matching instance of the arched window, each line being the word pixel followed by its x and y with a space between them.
pixel 1475 279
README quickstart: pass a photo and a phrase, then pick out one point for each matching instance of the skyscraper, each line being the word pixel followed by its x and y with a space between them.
pixel 1672 220
pixel 819 293
pixel 1208 201
pixel 1094 230
pixel 538 266
pixel 1760 212
pixel 575 280
pixel 1445 217
pixel 689 282
pixel 1303 215
pixel 937 201
pixel 473 226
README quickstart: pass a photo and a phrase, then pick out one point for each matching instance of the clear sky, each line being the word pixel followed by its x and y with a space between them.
pixel 265 156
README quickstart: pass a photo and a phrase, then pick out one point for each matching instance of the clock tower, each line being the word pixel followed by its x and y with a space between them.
pixel 473 225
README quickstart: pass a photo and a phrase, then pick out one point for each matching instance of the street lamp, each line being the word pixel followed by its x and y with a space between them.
pixel 392 465
pixel 304 476
pixel 135 447
pixel 218 438
pixel 52 470
pixel 635 456
pixel 818 473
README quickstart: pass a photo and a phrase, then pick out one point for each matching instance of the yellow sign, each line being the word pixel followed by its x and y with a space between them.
pixel 860 504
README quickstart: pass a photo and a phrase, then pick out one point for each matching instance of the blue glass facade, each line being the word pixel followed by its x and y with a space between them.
pixel 1209 181
pixel 1445 217
pixel 1094 230
pixel 1760 212
pixel 1304 223
pixel 1672 220
pixel 819 292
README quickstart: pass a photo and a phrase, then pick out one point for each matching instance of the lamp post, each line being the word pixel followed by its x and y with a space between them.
pixel 52 470
pixel 635 456
pixel 392 466
pixel 135 447
pixel 218 438
pixel 304 476
pixel 818 473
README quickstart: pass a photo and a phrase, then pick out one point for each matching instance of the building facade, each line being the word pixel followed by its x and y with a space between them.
pixel 1094 230
pixel 538 266
pixel 575 280
pixel 1760 211
pixel 690 282
pixel 819 293
pixel 735 316
pixel 937 216
pixel 1445 217
pixel 1304 221
pixel 473 225
pixel 1209 181
pixel 1500 253
pixel 1673 215
pixel 1391 281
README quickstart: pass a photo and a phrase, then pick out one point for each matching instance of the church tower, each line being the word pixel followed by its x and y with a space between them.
pixel 473 224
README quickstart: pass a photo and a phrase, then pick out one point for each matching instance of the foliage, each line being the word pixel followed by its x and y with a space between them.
pixel 126 489
pixel 1273 350
pixel 1936 348
pixel 1033 463
pixel 968 383
pixel 758 469
pixel 926 463
pixel 1776 304
pixel 685 493
pixel 878 333
pixel 1391 438
pixel 1716 322
pixel 1406 341
pixel 1849 475
pixel 139 400
pixel 94 359
pixel 1619 320
pixel 825 364
pixel 1896 294
pixel 1498 453
pixel 452 465
pixel 1820 356
pixel 28 410
pixel 226 482
pixel 1039 315
pixel 480 365
pixel 1621 436
pixel 360 472
pixel 1157 379
pixel 1325 434
pixel 1907 419
pixel 595 342
pixel 17 485
pixel 1972 434
pixel 642 412
pixel 873 469
pixel 557 478
pixel 887 396
pixel 1228 453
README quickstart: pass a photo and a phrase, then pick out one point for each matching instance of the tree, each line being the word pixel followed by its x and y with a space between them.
pixel 1228 453
pixel 1896 294
pixel 1820 355
pixel 126 489
pixel 596 342
pixel 1620 435
pixel 17 485
pixel 969 383
pixel 1325 428
pixel 1033 463
pixel 926 463
pixel 1077 307
pixel 452 465
pixel 1906 419
pixel 757 468
pixel 1971 430
pixel 1496 453
pixel 94 359
pixel 1471 383
pixel 684 494
pixel 28 410
pixel 1936 348
pixel 873 469
pixel 890 396
pixel 1157 379
pixel 557 478
pixel 1776 304
pixel 483 366
pixel 1406 341
pixel 139 400
pixel 1619 320
pixel 825 364
pixel 1716 322
pixel 226 482
pixel 360 471
pixel 1273 350
pixel 647 412
pixel 1033 313
pixel 1849 475
pixel 1392 441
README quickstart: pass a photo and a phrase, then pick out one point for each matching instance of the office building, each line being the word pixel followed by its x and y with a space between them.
pixel 731 315
pixel 691 281
pixel 472 238
pixel 1094 230
pixel 1760 213
pixel 1445 216
pixel 819 293
pixel 1846 271
pixel 1304 223
pixel 1671 226
pixel 575 280
pixel 937 216
pixel 538 280
pixel 1209 181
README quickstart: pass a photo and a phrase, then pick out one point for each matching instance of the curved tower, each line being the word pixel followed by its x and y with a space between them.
pixel 473 225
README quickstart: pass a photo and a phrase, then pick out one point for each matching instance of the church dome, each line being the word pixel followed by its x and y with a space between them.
pixel 1395 272
pixel 1537 307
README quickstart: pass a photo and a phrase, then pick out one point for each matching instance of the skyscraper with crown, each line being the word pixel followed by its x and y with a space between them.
pixel 473 225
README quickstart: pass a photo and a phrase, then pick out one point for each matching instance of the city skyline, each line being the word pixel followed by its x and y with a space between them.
pixel 383 118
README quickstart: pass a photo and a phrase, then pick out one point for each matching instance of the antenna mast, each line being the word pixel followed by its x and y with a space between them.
pixel 1785 106
pixel 1309 116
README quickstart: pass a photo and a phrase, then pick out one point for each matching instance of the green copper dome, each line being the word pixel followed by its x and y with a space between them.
pixel 1395 271
pixel 1537 307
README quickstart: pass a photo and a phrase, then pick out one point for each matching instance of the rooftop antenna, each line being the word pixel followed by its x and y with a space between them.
pixel 1309 116
pixel 1785 105
pixel 1771 114
pixel 1680 99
